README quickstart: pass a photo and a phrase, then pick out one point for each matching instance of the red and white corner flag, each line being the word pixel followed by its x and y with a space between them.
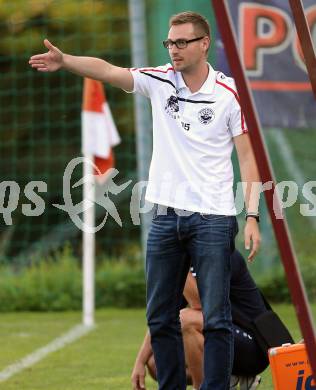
pixel 99 133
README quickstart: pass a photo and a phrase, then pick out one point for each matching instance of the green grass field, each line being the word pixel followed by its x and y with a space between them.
pixel 103 359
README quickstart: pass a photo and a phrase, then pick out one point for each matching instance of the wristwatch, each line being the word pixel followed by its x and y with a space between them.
pixel 252 215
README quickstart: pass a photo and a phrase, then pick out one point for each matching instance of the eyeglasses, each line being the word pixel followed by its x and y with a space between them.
pixel 180 43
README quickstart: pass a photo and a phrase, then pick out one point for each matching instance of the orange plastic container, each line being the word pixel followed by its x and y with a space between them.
pixel 290 368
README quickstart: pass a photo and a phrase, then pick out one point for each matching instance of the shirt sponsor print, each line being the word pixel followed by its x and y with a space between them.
pixel 172 107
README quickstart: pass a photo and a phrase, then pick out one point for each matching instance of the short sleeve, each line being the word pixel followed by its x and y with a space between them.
pixel 145 79
pixel 141 82
pixel 237 124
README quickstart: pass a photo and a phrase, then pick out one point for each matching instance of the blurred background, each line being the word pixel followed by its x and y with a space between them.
pixel 40 132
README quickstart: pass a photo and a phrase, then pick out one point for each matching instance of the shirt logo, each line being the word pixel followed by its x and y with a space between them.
pixel 172 107
pixel 206 115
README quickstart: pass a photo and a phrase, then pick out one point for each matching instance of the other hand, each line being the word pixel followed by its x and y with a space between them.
pixel 252 235
pixel 138 376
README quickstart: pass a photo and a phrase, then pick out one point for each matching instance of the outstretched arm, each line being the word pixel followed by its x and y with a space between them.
pixel 91 67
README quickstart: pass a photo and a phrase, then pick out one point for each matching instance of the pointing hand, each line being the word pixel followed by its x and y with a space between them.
pixel 47 62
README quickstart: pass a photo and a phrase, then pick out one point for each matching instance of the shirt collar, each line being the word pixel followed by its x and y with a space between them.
pixel 207 87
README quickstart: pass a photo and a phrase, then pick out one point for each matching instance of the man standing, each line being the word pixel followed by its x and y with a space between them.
pixel 197 120
pixel 249 358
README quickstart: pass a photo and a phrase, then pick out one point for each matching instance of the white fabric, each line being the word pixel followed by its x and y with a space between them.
pixel 99 132
pixel 112 130
pixel 191 165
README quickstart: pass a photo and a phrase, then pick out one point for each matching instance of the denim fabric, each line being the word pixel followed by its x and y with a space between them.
pixel 208 241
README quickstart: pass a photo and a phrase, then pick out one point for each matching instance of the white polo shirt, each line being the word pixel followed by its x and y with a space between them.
pixel 191 166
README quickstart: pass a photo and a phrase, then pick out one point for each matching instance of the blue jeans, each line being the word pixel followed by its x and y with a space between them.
pixel 208 241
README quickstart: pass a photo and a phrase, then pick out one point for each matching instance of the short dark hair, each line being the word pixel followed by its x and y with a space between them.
pixel 200 23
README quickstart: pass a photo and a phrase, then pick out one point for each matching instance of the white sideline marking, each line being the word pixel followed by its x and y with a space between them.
pixel 291 166
pixel 65 339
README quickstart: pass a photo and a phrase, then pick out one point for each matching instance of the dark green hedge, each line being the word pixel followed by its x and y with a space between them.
pixel 274 285
pixel 56 284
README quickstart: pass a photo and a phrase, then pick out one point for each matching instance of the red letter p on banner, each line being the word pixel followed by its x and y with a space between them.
pixel 263 30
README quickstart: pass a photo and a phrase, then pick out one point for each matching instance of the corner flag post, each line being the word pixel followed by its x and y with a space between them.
pixel 88 244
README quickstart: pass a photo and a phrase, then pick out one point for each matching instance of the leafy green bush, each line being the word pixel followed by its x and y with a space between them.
pixel 120 282
pixel 120 285
pixel 56 284
pixel 274 286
